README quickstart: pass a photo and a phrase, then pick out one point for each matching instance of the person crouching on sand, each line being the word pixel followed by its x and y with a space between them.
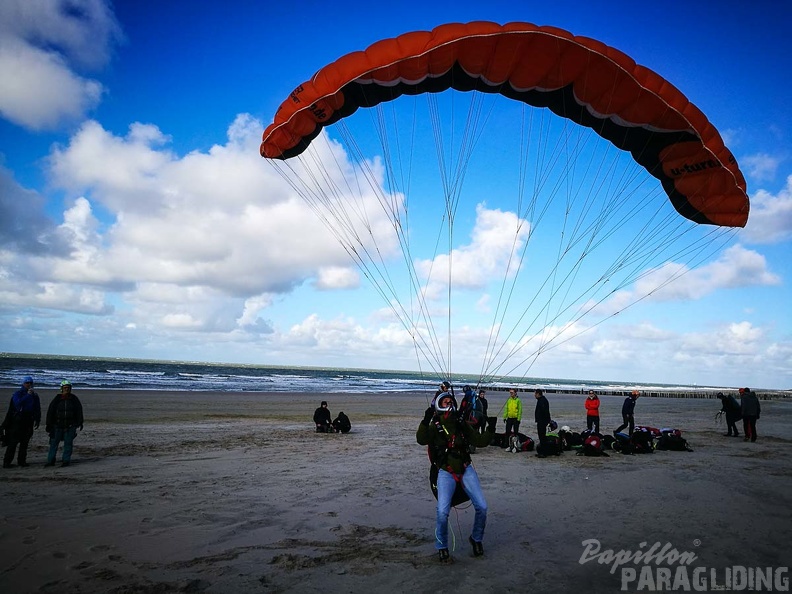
pixel 448 439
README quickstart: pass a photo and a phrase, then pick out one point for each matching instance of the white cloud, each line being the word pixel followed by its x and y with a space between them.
pixel 737 267
pixel 495 241
pixel 221 219
pixel 337 277
pixel 770 220
pixel 761 166
pixel 42 45
pixel 202 242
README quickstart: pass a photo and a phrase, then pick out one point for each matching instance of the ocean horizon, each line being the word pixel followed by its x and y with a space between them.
pixel 144 374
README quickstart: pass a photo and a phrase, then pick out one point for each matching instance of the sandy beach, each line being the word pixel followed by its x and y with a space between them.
pixel 234 492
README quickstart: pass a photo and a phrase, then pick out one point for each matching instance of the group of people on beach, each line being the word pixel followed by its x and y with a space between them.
pixel 453 431
pixel 63 419
pixel 324 424
pixel 747 409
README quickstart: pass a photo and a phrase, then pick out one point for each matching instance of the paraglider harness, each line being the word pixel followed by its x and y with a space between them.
pixel 456 446
pixel 471 409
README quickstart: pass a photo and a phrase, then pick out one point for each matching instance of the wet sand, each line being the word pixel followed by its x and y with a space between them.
pixel 234 492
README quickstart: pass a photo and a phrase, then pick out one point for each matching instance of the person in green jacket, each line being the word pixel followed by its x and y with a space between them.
pixel 513 413
pixel 448 438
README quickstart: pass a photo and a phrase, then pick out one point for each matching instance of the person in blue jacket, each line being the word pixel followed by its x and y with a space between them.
pixel 628 412
pixel 22 418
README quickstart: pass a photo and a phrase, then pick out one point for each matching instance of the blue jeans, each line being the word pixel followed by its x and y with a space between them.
pixel 446 485
pixel 61 435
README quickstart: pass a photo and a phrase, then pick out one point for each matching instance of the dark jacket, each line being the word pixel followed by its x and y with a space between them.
pixel 542 412
pixel 322 416
pixel 473 407
pixel 64 412
pixel 450 438
pixel 23 408
pixel 628 407
pixel 750 405
pixel 731 407
pixel 342 423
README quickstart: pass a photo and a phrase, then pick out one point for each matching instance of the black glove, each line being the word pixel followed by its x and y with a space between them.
pixel 36 426
pixel 428 414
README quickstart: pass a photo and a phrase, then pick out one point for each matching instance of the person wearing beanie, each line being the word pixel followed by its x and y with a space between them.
pixel 731 409
pixel 322 419
pixel 22 418
pixel 64 418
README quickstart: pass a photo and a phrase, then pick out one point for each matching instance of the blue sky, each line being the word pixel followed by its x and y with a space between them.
pixel 137 219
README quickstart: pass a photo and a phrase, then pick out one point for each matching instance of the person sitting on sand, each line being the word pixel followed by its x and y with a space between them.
pixel 322 419
pixel 448 438
pixel 628 412
pixel 64 417
pixel 342 423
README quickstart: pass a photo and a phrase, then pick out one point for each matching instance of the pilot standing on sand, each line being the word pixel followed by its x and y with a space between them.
pixel 448 439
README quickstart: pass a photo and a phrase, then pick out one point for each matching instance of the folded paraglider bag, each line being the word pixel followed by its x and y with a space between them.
pixel 525 443
pixel 593 446
pixel 550 447
pixel 459 494
pixel 674 443
pixel 501 440
pixel 621 443
pixel 642 442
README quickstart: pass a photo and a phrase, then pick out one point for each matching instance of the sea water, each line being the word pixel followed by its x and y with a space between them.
pixel 137 374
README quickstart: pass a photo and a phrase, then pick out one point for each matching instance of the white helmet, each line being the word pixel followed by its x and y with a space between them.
pixel 566 428
pixel 452 405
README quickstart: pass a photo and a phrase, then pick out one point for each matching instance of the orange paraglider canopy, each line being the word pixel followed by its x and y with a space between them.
pixel 578 78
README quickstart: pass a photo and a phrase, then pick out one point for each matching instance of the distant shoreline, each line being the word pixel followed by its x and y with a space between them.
pixel 710 393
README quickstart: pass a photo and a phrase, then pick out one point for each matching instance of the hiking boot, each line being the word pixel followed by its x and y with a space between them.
pixel 49 464
pixel 6 465
pixel 63 464
pixel 478 547
pixel 443 555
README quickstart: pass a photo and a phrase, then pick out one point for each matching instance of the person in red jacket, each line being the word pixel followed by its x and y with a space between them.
pixel 592 412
